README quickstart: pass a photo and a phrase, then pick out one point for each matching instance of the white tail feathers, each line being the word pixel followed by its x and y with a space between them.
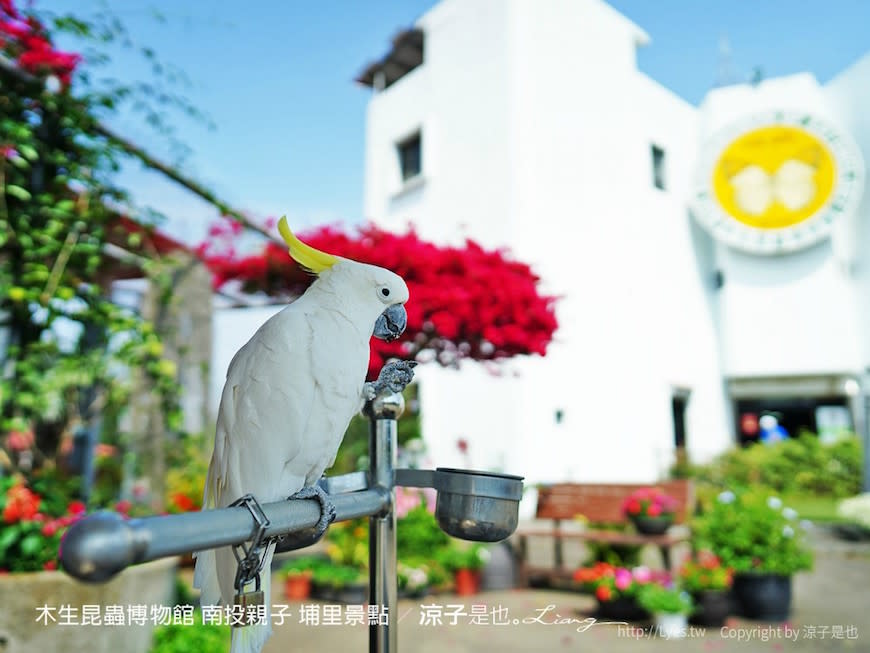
pixel 214 589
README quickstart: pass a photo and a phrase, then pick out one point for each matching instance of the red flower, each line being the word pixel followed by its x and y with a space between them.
pixel 76 508
pixel 603 593
pixel 633 507
pixel 183 502
pixel 654 510
pixel 21 503
pixel 50 565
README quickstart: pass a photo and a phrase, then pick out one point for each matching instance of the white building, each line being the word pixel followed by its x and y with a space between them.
pixel 712 260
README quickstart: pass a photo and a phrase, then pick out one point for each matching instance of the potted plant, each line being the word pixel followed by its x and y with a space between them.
pixel 650 509
pixel 297 574
pixel 762 541
pixel 465 562
pixel 708 582
pixel 670 607
pixel 342 583
pixel 616 589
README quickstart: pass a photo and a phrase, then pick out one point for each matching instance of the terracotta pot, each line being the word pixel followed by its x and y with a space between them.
pixel 297 587
pixel 467 581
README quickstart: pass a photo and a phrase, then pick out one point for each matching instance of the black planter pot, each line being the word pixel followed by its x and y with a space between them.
pixel 622 609
pixel 766 597
pixel 712 607
pixel 652 525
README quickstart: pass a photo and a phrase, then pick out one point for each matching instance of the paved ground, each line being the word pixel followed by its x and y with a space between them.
pixel 830 601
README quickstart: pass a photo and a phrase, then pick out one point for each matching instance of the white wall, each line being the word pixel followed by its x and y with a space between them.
pixel 789 314
pixel 537 142
pixel 849 97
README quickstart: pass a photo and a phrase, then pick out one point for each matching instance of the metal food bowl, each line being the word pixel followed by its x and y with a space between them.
pixel 478 506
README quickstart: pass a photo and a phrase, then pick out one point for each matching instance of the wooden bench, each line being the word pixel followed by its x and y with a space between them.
pixel 596 504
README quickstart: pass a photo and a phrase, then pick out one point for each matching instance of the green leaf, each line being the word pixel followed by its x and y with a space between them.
pixel 17 191
pixel 7 537
pixel 28 152
pixel 31 545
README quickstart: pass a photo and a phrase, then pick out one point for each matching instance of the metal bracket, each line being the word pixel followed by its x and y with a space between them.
pixel 251 563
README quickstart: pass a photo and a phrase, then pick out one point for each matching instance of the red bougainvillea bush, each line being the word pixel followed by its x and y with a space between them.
pixel 25 40
pixel 466 302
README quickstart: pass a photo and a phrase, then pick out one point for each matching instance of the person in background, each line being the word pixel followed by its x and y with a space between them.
pixel 771 430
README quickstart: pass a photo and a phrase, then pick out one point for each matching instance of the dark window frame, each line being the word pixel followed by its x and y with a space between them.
pixel 410 153
pixel 659 170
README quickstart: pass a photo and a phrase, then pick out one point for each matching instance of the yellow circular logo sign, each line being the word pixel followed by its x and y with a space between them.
pixel 776 182
pixel 774 177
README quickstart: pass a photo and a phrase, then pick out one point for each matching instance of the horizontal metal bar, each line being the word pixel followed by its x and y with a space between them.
pixel 104 544
pixel 415 477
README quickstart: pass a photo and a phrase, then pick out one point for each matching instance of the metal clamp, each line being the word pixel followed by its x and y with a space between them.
pixel 249 560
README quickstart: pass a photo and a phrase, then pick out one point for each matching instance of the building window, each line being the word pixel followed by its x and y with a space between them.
pixel 410 156
pixel 658 167
pixel 679 401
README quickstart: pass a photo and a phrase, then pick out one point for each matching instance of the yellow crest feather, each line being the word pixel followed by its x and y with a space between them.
pixel 305 255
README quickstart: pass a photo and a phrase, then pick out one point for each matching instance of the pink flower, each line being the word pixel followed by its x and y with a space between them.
pixel 642 574
pixel 622 579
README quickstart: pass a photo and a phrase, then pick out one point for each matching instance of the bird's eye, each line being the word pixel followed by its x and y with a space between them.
pixel 385 292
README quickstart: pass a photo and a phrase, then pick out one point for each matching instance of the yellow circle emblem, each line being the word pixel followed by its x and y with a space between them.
pixel 774 177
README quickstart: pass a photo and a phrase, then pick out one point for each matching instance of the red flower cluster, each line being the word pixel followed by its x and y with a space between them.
pixel 466 302
pixel 706 572
pixel 183 503
pixel 21 503
pixel 650 502
pixel 26 39
pixel 609 582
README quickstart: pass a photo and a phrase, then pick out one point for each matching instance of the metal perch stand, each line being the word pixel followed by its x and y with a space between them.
pixel 470 505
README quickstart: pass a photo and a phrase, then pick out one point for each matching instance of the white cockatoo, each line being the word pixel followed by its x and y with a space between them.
pixel 289 395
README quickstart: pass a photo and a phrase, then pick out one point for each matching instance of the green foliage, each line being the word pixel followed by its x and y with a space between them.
pixel 347 543
pixel 338 575
pixel 353 454
pixel 619 555
pixel 751 531
pixel 657 598
pixel 306 564
pixel 461 555
pixel 202 638
pixel 802 465
pixel 59 208
pixel 418 534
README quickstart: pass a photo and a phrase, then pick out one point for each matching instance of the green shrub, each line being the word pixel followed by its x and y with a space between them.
pixel 202 638
pixel 752 531
pixel 801 465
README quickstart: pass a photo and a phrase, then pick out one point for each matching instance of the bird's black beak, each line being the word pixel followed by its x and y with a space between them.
pixel 391 323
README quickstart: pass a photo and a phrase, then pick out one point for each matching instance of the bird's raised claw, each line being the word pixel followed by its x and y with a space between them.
pixel 394 376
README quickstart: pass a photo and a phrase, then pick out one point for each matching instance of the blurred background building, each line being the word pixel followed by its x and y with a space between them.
pixel 711 260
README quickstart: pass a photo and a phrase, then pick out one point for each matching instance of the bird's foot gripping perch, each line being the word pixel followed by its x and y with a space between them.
pixel 308 536
pixel 394 376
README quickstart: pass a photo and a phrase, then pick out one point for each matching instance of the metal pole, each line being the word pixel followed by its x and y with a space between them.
pixel 103 544
pixel 383 413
